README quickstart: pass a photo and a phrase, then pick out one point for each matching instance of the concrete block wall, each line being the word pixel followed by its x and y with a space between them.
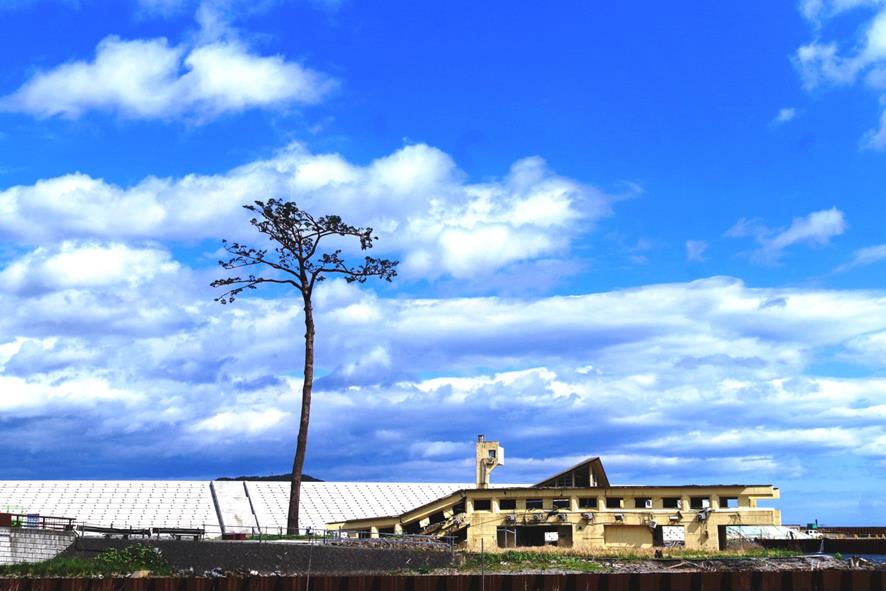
pixel 18 544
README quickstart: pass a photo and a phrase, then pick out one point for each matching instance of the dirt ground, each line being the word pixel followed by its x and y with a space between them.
pixel 618 565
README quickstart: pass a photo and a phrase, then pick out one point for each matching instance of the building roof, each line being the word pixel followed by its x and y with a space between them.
pixel 589 467
pixel 163 503
pixel 587 474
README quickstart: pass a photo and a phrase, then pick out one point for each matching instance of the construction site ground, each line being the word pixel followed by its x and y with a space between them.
pixel 562 563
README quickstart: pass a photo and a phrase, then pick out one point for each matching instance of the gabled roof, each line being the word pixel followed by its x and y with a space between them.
pixel 589 471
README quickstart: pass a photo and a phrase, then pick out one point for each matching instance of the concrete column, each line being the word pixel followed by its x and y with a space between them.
pixel 373 532
pixel 398 529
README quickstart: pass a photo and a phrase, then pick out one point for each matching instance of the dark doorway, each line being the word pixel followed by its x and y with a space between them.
pixel 521 536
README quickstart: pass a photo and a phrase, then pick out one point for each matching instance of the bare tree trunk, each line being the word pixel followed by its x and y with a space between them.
pixel 302 444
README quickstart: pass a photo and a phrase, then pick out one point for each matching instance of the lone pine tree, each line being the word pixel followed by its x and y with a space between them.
pixel 297 261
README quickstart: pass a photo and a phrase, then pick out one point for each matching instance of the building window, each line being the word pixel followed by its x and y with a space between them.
pixel 534 504
pixel 507 504
pixel 643 503
pixel 587 502
pixel 728 502
pixel 482 505
pixel 561 503
pixel 613 502
pixel 671 503
pixel 699 503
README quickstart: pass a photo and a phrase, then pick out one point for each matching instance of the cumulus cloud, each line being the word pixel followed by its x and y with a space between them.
pixel 826 63
pixel 814 229
pixel 407 383
pixel 71 265
pixel 641 365
pixel 238 421
pixel 418 201
pixel 152 79
pixel 817 10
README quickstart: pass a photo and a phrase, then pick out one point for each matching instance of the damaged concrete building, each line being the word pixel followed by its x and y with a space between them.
pixel 579 508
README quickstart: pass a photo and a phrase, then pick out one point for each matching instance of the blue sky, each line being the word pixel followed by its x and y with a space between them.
pixel 651 233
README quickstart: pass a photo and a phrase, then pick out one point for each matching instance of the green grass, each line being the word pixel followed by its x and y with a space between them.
pixel 111 562
pixel 569 560
pixel 516 561
pixel 749 552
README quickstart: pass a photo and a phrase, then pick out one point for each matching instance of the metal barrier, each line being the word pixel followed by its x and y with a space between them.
pixel 253 534
pixel 36 521
pixel 112 532
pixel 337 537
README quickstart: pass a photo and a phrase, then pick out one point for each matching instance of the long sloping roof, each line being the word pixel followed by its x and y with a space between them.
pixel 168 503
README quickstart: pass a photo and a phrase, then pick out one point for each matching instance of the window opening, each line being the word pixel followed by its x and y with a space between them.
pixel 534 504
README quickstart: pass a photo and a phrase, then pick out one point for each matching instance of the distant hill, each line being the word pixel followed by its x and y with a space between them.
pixel 273 478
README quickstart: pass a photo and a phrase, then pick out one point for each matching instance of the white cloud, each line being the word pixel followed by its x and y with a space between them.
pixel 824 63
pixel 406 383
pixel 238 421
pixel 814 229
pixel 434 449
pixel 815 10
pixel 151 79
pixel 865 256
pixel 416 198
pixel 876 138
pixel 869 348
pixel 695 250
pixel 738 439
pixel 162 7
pixel 82 266
pixel 817 228
pixel 820 64
pixel 26 397
pixel 785 114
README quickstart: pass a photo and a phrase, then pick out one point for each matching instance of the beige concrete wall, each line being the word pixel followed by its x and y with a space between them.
pixel 631 536
pixel 606 531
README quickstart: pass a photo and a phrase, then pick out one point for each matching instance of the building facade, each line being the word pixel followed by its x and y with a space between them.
pixel 578 508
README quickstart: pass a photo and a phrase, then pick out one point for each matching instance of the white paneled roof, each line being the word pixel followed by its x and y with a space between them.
pixel 163 503
pixel 117 503
pixel 233 506
pixel 325 502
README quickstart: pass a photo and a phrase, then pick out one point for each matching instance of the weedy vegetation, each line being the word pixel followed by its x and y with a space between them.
pixel 111 562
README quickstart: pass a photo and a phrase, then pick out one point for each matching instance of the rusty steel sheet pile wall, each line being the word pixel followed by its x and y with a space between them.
pixel 822 580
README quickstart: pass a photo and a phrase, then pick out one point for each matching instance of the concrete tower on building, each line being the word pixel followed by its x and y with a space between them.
pixel 489 455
